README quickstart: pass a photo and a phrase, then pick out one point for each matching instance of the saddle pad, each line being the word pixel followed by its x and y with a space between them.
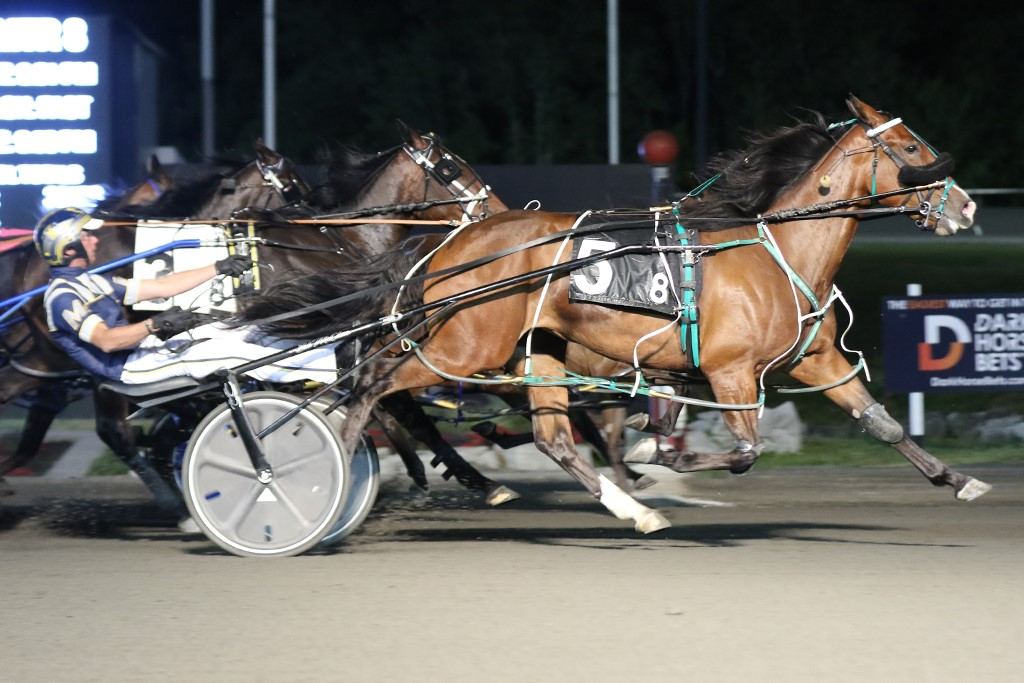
pixel 648 282
pixel 212 295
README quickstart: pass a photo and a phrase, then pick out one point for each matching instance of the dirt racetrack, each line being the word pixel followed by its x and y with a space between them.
pixel 789 575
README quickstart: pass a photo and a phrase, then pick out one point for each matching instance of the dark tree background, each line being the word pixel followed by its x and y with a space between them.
pixel 524 81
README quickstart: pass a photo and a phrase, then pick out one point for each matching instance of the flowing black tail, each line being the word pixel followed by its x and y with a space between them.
pixel 306 291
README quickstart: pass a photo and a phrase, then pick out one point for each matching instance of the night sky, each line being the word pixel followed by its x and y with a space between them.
pixel 524 82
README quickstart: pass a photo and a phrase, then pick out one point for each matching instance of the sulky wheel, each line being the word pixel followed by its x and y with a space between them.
pixel 363 482
pixel 285 517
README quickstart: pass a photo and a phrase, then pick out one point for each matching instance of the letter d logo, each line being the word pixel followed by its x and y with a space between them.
pixel 933 324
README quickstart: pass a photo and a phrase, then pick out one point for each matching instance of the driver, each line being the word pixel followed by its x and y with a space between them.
pixel 86 316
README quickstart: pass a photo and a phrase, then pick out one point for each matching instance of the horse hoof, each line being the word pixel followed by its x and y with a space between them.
pixel 743 464
pixel 485 429
pixel 637 421
pixel 645 481
pixel 501 495
pixel 651 521
pixel 645 452
pixel 974 488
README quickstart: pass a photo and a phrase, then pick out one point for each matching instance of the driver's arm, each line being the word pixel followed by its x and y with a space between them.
pixel 175 283
pixel 118 338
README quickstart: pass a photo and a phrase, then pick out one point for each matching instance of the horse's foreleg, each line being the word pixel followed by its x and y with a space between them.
pixel 423 428
pixel 613 420
pixel 854 398
pixel 553 435
pixel 37 423
pixel 404 444
pixel 50 400
pixel 735 387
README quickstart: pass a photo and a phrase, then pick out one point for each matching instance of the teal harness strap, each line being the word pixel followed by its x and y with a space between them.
pixel 804 288
pixel 797 280
pixel 689 333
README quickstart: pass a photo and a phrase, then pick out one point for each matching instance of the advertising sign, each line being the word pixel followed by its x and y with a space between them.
pixel 954 343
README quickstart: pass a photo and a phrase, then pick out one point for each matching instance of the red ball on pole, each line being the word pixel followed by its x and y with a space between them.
pixel 658 148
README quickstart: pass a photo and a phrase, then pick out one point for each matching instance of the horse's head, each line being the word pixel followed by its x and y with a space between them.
pixel 444 175
pixel 270 182
pixel 916 169
pixel 156 182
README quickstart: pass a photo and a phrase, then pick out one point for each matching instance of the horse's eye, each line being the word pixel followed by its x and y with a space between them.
pixel 911 149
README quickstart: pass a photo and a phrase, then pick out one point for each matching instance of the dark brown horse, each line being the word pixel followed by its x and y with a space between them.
pixel 420 170
pixel 753 316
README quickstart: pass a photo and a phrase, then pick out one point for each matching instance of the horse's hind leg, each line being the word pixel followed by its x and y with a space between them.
pixel 663 426
pixel 423 428
pixel 854 398
pixel 736 387
pixel 113 429
pixel 553 435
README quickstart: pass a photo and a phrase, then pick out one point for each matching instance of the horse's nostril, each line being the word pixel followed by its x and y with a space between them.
pixel 968 210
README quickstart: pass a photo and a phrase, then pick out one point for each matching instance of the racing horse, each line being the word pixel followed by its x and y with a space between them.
pixel 38 365
pixel 758 306
pixel 418 170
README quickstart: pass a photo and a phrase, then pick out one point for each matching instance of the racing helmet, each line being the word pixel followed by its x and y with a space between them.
pixel 60 229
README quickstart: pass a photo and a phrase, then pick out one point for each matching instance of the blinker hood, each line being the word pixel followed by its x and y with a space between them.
pixel 942 167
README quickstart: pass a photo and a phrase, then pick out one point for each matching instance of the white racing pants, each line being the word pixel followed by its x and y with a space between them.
pixel 222 347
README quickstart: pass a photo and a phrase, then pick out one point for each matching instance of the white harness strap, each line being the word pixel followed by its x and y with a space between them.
pixel 422 159
pixel 878 130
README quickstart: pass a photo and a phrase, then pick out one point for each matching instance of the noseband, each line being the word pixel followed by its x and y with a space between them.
pixel 446 171
pixel 914 176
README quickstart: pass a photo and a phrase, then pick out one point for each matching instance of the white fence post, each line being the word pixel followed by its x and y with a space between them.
pixel 916 398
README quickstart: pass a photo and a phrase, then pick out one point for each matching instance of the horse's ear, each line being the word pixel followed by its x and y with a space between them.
pixel 410 136
pixel 865 112
pixel 156 171
pixel 266 155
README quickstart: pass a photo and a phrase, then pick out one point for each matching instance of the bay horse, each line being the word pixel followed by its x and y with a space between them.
pixel 37 365
pixel 752 314
pixel 418 170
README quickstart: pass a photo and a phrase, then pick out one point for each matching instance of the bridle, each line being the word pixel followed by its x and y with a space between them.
pixel 447 171
pixel 908 175
pixel 291 188
pixel 911 176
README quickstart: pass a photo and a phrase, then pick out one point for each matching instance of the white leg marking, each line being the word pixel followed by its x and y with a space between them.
pixel 974 488
pixel 624 506
pixel 644 452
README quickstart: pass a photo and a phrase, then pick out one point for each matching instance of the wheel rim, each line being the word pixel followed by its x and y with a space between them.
pixel 364 482
pixel 285 517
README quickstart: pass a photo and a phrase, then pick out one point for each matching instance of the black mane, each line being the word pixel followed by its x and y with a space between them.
pixel 349 169
pixel 180 201
pixel 302 292
pixel 754 177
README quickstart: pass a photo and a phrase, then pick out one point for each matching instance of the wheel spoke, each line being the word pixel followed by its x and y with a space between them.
pixel 291 466
pixel 225 464
pixel 283 498
pixel 244 507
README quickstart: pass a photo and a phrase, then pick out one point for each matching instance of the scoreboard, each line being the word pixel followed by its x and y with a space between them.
pixel 59 145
